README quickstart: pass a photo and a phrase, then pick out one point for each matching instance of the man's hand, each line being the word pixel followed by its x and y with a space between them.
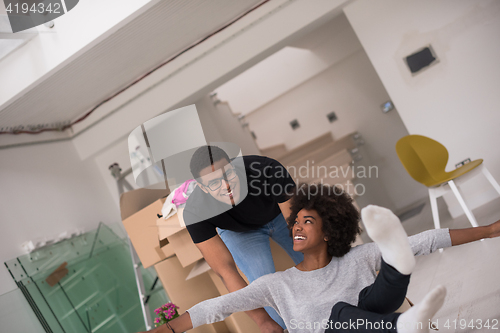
pixel 270 326
pixel 286 208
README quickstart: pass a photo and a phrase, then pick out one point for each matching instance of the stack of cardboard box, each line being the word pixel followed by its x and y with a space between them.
pixel 186 277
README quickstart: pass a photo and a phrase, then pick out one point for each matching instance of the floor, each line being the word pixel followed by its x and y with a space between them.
pixel 470 272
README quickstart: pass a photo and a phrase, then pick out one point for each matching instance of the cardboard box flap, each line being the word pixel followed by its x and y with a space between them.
pixel 200 267
pixel 168 227
pixel 185 250
pixel 143 232
pixel 133 201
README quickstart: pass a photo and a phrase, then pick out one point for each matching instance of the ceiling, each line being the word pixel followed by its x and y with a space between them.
pixel 163 31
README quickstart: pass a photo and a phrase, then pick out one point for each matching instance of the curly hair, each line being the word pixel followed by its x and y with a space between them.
pixel 339 216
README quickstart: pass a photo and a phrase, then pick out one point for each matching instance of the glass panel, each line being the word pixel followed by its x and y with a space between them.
pixel 154 289
pixel 48 258
pixel 95 291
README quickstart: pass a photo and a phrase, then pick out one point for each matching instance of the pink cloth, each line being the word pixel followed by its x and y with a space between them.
pixel 180 195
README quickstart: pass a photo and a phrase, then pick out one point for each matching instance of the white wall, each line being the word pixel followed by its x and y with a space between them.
pixel 290 66
pixel 46 190
pixel 116 153
pixel 455 101
pixel 220 124
pixel 352 89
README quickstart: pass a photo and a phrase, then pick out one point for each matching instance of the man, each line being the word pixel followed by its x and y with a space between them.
pixel 230 216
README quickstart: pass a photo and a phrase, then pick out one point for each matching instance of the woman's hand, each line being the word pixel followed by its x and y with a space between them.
pixel 159 329
pixel 494 229
pixel 463 236
pixel 179 324
pixel 270 326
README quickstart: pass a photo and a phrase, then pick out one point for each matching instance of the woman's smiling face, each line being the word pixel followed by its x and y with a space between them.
pixel 308 233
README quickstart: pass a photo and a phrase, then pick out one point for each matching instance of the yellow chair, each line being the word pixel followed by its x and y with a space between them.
pixel 425 160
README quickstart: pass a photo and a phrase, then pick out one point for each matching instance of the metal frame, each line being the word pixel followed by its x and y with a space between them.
pixel 123 183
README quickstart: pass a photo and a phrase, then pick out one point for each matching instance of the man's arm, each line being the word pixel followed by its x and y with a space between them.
pixel 462 236
pixel 221 261
pixel 286 208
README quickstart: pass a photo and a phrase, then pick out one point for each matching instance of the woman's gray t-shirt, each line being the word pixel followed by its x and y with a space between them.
pixel 304 299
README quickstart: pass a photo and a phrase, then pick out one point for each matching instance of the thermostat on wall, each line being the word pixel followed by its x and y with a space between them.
pixel 421 59
pixel 331 117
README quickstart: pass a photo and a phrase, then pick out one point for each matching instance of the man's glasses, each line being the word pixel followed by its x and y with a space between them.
pixel 215 184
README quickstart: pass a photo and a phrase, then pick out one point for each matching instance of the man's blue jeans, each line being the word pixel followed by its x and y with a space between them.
pixel 252 253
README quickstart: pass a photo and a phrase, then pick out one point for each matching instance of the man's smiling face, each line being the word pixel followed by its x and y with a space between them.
pixel 221 182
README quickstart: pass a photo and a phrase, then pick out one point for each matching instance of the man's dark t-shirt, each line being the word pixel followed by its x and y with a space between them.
pixel 268 183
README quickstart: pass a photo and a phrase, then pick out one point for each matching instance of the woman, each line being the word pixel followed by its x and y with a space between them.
pixel 318 295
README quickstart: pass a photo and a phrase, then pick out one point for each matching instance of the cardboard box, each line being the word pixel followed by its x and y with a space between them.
pixel 180 266
pixel 186 293
pixel 139 209
pixel 133 201
pixel 179 239
pixel 199 267
pixel 168 227
pixel 155 239
pixel 139 219
pixel 185 250
pixel 238 322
